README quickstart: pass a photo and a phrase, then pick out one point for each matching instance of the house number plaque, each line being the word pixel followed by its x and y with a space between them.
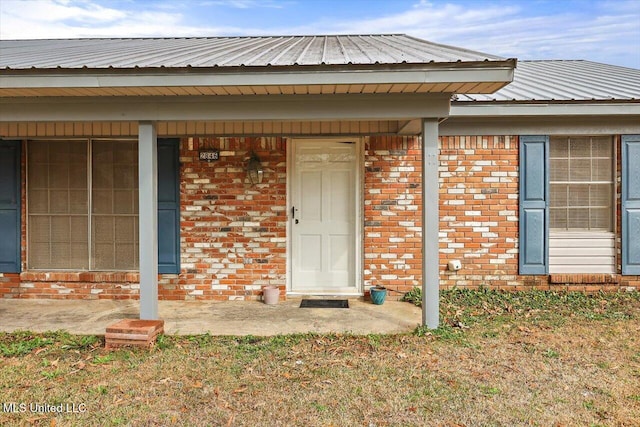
pixel 209 155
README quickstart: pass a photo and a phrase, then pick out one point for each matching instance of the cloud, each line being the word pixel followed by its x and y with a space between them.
pixel 516 29
pixel 57 11
pixel 243 4
pixel 33 19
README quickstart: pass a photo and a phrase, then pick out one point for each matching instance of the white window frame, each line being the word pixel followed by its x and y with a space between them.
pixel 580 250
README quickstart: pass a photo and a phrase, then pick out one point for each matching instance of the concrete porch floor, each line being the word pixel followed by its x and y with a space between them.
pixel 218 318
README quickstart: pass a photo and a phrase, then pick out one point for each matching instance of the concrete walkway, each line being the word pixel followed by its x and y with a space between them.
pixel 218 318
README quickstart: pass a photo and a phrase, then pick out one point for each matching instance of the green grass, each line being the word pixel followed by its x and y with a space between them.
pixel 22 343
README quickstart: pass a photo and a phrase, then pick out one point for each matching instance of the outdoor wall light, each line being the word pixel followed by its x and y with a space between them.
pixel 254 169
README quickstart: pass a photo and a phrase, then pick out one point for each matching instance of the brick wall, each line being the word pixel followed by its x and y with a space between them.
pixel 392 227
pixel 233 235
pixel 478 217
pixel 479 210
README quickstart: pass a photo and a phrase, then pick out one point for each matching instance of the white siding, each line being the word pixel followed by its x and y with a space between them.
pixel 581 252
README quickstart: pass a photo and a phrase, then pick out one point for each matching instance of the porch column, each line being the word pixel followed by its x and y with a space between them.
pixel 430 225
pixel 148 219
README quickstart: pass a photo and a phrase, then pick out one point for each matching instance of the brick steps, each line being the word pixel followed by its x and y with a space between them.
pixel 133 332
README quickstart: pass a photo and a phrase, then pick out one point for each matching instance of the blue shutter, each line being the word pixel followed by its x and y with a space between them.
pixel 9 206
pixel 168 206
pixel 630 204
pixel 534 208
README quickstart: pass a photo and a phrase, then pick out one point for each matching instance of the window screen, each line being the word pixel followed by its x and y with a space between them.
pixel 581 183
pixel 57 203
pixel 63 233
pixel 114 215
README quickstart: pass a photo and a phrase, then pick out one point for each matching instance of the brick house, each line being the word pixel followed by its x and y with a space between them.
pixel 206 168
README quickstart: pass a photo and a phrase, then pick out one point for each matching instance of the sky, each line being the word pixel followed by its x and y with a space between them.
pixel 598 30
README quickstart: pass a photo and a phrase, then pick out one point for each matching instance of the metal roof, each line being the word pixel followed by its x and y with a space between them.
pixel 565 80
pixel 208 52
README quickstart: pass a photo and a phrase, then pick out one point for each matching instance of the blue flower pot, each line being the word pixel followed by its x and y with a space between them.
pixel 378 294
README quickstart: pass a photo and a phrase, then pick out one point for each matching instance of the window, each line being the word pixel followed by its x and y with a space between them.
pixel 581 183
pixel 82 215
pixel 114 213
pixel 567 204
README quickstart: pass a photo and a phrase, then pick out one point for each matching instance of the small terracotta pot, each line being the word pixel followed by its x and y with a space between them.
pixel 270 295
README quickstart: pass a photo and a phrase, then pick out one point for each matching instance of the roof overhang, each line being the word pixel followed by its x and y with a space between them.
pixel 548 118
pixel 463 77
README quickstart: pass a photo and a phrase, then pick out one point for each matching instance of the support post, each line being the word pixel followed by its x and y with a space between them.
pixel 148 219
pixel 430 225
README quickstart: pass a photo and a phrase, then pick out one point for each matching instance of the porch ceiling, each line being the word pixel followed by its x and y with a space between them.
pixel 342 85
pixel 284 114
pixel 127 129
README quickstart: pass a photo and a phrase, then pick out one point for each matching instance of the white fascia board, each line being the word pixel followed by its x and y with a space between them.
pixel 470 109
pixel 229 108
pixel 249 78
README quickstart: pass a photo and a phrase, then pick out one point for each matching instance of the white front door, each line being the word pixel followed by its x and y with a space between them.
pixel 324 217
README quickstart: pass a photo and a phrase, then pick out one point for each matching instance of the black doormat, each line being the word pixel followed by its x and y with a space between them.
pixel 324 303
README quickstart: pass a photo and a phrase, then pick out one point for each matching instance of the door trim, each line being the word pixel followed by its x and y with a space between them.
pixel 359 226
